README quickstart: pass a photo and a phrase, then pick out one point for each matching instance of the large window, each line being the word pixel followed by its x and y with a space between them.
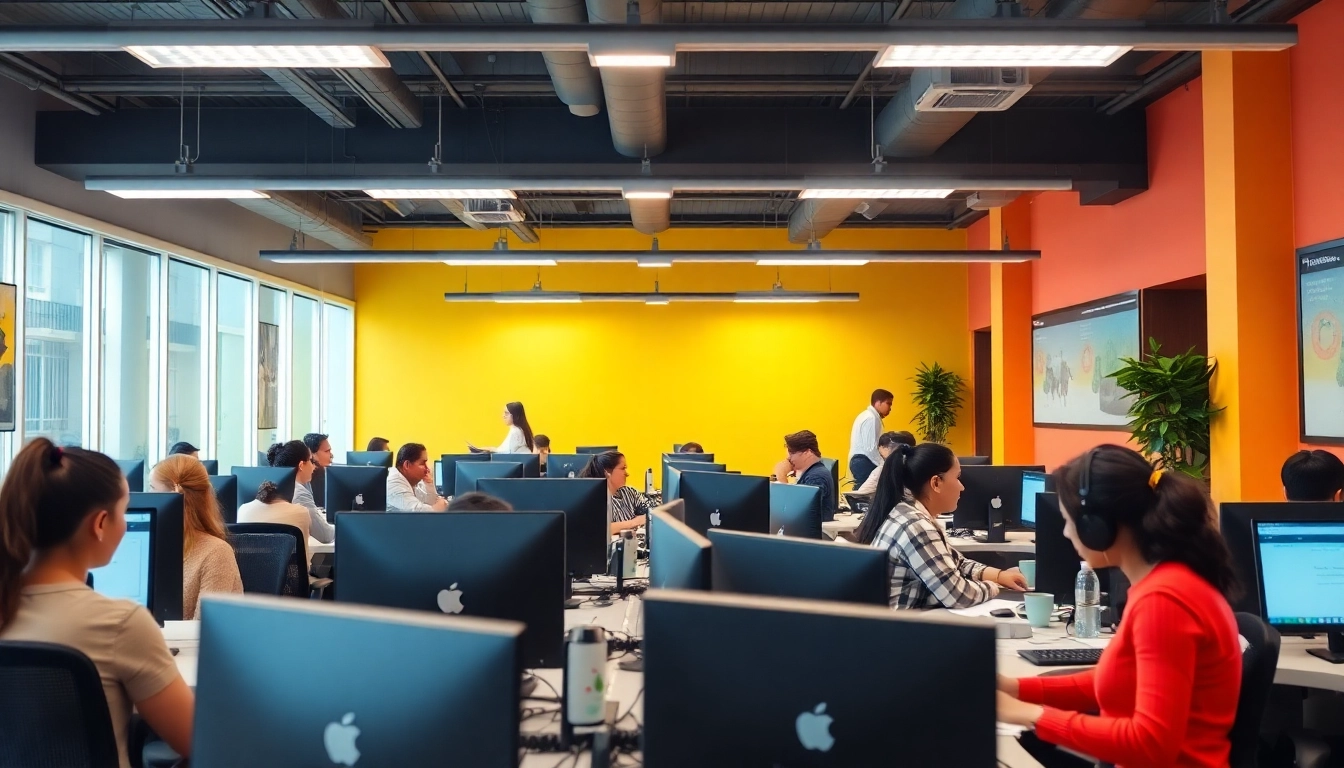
pixel 188 393
pixel 130 351
pixel 270 368
pixel 338 376
pixel 55 329
pixel 235 378
pixel 306 343
pixel 9 341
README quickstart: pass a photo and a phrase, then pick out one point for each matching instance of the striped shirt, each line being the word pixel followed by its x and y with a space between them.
pixel 627 504
pixel 926 572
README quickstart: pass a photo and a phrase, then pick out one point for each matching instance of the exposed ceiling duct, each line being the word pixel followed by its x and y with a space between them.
pixel 310 94
pixel 313 214
pixel 636 99
pixel 575 80
pixel 651 216
pixel 815 218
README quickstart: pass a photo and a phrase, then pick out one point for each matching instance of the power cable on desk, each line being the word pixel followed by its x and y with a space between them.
pixel 631 711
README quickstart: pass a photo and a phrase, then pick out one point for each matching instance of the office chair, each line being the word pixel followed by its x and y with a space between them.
pixel 834 466
pixel 297 582
pixel 52 710
pixel 1258 663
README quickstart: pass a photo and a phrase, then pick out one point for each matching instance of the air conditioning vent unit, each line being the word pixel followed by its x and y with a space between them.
pixel 973 89
pixel 492 211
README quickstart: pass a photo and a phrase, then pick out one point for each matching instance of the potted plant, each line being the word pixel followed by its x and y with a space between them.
pixel 1170 412
pixel 938 396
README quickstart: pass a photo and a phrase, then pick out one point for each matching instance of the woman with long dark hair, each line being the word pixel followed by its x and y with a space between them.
pixel 1168 683
pixel 298 454
pixel 917 485
pixel 628 507
pixel 519 438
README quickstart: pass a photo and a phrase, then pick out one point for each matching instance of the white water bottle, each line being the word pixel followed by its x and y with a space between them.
pixel 648 482
pixel 1087 603
pixel 586 676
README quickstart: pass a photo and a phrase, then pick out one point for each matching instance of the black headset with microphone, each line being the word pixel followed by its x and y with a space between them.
pixel 1096 526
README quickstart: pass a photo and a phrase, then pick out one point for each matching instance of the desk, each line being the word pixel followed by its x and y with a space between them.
pixel 316 547
pixel 1018 543
pixel 843 523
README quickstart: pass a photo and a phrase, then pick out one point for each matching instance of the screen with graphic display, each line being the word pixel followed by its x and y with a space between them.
pixel 1073 351
pixel 1320 308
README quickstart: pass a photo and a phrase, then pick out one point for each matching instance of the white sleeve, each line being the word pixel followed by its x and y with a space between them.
pixel 426 493
pixel 402 498
pixel 514 442
pixel 865 436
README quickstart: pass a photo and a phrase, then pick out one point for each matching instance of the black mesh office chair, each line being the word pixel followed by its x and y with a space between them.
pixel 296 581
pixel 52 710
pixel 1259 661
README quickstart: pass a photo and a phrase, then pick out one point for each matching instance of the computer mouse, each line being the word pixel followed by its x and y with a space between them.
pixel 1002 613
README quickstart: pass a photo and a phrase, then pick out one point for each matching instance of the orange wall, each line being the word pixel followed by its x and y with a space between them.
pixel 977 276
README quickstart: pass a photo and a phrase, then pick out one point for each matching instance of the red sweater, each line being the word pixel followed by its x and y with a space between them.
pixel 1166 686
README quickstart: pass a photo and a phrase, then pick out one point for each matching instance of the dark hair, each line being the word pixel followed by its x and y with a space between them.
pixel 268 492
pixel 880 396
pixel 541 441
pixel 47 494
pixel 183 447
pixel 314 440
pixel 601 464
pixel 802 441
pixel 410 453
pixel 1312 476
pixel 691 448
pixel 289 454
pixel 1172 522
pixel 379 444
pixel 890 439
pixel 475 501
pixel 905 472
pixel 519 415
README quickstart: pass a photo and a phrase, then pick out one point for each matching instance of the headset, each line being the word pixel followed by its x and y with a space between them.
pixel 1096 527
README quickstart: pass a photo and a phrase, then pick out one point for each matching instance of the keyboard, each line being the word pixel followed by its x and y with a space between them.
pixel 1062 657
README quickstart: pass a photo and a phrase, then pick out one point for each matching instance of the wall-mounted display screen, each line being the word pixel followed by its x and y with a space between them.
pixel 1073 350
pixel 1320 309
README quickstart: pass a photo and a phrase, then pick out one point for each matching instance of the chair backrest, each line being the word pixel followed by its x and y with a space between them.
pixel 53 713
pixel 272 558
pixel 1259 661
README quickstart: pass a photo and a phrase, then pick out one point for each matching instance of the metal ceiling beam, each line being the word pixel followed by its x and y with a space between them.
pixel 707 256
pixel 310 94
pixel 34 83
pixel 396 15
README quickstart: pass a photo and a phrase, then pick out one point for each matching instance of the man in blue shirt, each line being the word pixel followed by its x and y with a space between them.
pixel 804 462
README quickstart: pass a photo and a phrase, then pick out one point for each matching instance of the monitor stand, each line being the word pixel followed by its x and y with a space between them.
pixel 1334 652
pixel 571 602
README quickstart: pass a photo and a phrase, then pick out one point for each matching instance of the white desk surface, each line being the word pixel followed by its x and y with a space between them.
pixel 1018 542
pixel 316 547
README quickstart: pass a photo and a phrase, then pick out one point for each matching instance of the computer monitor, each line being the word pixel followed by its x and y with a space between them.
pixel 531 461
pixel 211 466
pixel 134 470
pixel 318 485
pixel 974 461
pixel 468 474
pixel 811 716
pixel 721 500
pixel 262 459
pixel 251 478
pixel 226 493
pixel 705 457
pixel 1057 562
pixel 147 566
pixel 782 566
pixel 591 449
pixel 681 559
pixel 562 465
pixel 448 468
pixel 369 458
pixel 584 502
pixel 438 476
pixel 985 484
pixel 1301 581
pixel 456 680
pixel 673 464
pixel 671 482
pixel 356 489
pixel 795 510
pixel 1234 520
pixel 499 565
pixel 1032 484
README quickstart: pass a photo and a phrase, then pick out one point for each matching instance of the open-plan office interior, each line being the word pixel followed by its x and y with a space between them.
pixel 566 381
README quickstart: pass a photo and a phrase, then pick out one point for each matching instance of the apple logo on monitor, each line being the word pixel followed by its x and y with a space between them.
pixel 339 739
pixel 996 502
pixel 450 599
pixel 715 519
pixel 814 729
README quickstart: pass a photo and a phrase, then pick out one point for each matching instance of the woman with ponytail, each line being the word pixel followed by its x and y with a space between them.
pixel 1168 683
pixel 62 514
pixel 918 484
pixel 208 562
pixel 627 507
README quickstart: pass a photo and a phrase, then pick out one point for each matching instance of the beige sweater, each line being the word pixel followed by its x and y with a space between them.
pixel 209 567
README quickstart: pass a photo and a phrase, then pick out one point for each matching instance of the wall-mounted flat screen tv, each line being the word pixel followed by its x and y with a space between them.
pixel 1074 350
pixel 1320 368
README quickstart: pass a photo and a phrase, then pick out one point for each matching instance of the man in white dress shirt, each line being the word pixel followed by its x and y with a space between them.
pixel 863 455
pixel 410 486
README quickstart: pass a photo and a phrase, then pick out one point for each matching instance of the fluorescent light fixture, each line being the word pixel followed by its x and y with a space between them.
pixel 189 194
pixel 632 59
pixel 656 298
pixel 537 297
pixel 259 56
pixel 775 300
pixel 497 262
pixel 647 194
pixel 464 193
pixel 811 262
pixel 874 194
pixel 658 301
pixel 1000 55
pixel 655 262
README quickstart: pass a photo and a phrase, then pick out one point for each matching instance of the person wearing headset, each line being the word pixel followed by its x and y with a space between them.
pixel 1168 684
pixel 885 445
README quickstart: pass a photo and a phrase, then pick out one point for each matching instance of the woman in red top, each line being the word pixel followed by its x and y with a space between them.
pixel 1168 683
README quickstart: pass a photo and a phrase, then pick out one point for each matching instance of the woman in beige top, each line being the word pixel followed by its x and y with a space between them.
pixel 62 513
pixel 208 562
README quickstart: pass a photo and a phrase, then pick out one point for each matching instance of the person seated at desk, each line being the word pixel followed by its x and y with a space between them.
pixel 270 507
pixel 295 454
pixel 379 444
pixel 63 513
pixel 183 448
pixel 691 448
pixel 1313 476
pixel 475 501
pixel 541 445
pixel 1168 684
pixel 804 462
pixel 885 445
pixel 410 485
pixel 208 562
pixel 628 507
pixel 916 486
pixel 519 438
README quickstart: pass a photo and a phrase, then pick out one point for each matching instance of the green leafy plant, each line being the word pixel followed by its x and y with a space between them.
pixel 938 395
pixel 1170 412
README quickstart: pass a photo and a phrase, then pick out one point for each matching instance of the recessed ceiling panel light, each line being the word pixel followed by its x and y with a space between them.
pixel 467 193
pixel 189 194
pixel 811 262
pixel 1000 55
pixel 873 194
pixel 647 194
pixel 632 59
pixel 260 56
pixel 498 262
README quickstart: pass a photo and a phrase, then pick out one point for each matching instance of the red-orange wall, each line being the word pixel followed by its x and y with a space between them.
pixel 977 276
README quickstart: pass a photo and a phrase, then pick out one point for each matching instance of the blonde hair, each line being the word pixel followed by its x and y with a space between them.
pixel 201 515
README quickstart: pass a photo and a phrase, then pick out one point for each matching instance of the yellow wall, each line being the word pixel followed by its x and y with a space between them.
pixel 734 377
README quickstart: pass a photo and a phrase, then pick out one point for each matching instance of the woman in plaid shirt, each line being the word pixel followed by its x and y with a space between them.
pixel 917 485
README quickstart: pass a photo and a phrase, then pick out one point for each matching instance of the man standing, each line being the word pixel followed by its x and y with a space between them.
pixel 863 455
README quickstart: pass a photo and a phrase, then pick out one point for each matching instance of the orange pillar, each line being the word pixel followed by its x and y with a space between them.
pixel 1248 220
pixel 1010 335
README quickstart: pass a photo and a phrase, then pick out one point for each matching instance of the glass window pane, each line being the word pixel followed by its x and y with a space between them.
pixel 306 346
pixel 234 378
pixel 188 394
pixel 8 342
pixel 338 378
pixel 130 351
pixel 270 330
pixel 55 327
